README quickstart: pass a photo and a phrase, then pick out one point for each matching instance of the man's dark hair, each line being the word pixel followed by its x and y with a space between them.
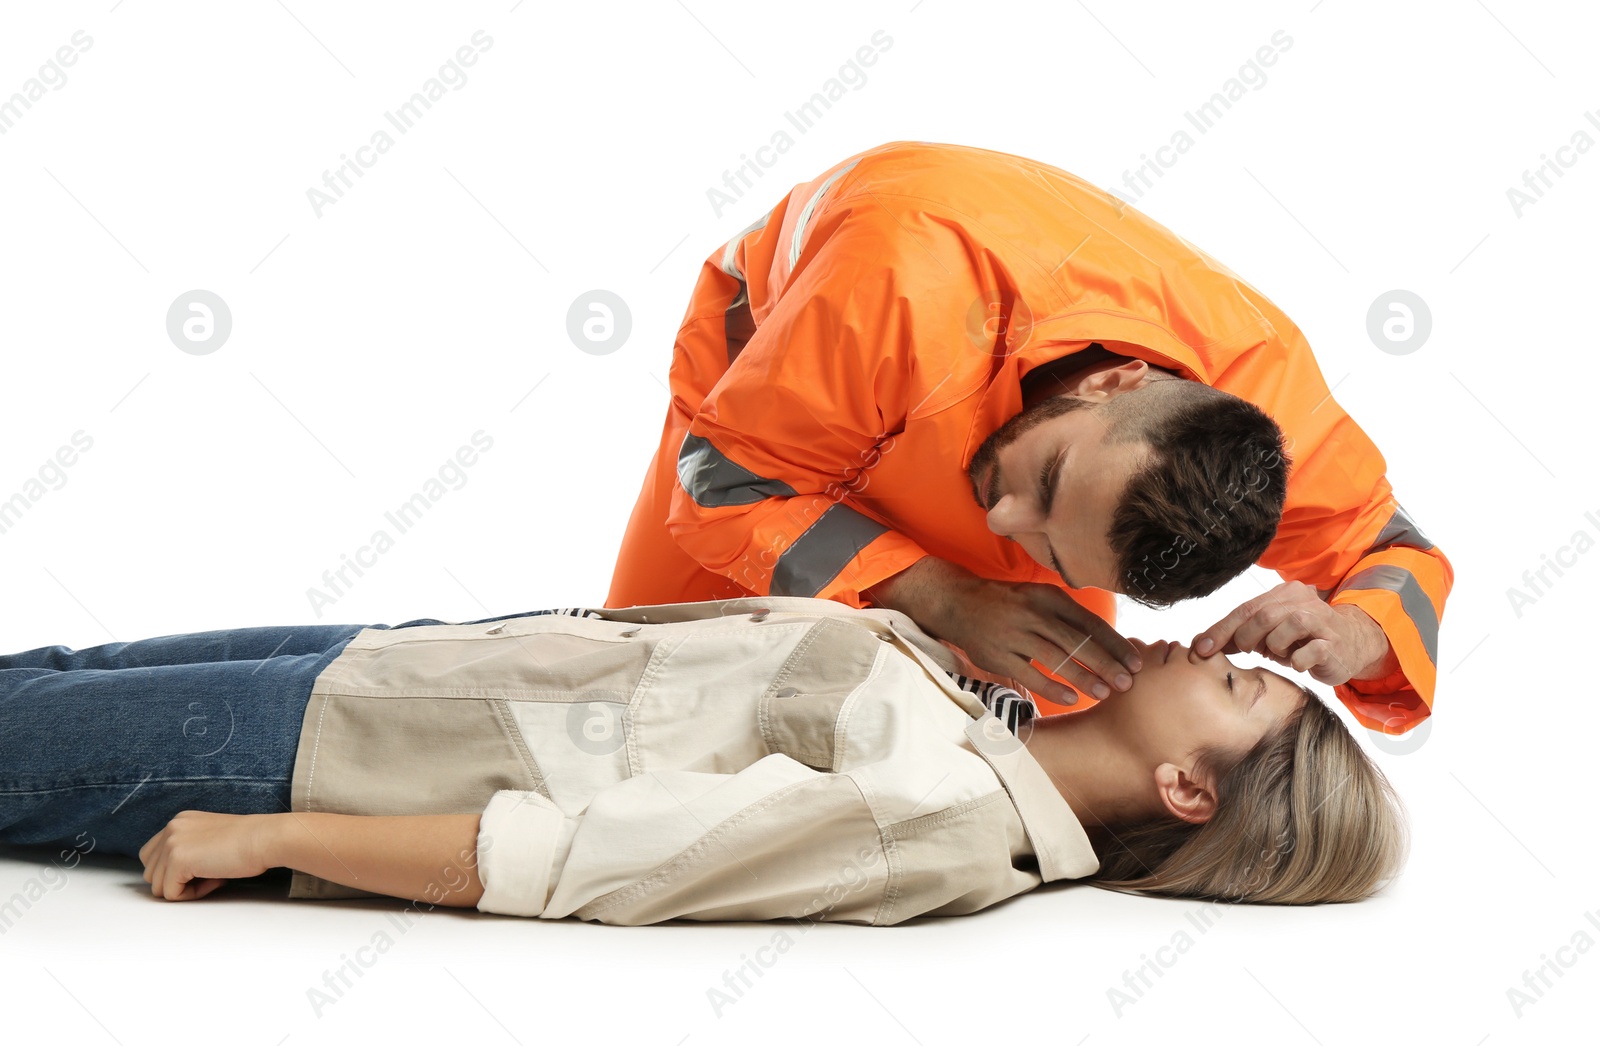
pixel 1207 503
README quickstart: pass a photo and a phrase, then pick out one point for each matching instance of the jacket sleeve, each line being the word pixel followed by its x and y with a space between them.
pixel 794 428
pixel 776 840
pixel 1344 532
pixel 1402 581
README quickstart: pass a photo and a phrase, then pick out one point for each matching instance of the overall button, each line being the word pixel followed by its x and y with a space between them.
pixel 631 631
pixel 787 691
pixel 760 615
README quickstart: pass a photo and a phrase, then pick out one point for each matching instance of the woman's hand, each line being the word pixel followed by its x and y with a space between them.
pixel 198 851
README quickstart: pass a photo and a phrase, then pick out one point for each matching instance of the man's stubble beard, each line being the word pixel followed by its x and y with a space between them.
pixel 989 450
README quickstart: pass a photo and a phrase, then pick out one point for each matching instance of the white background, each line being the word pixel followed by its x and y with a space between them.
pixel 370 342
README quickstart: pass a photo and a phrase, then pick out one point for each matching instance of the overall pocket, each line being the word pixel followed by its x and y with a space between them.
pixel 803 711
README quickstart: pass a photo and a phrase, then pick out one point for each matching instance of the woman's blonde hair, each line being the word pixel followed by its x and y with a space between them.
pixel 1302 817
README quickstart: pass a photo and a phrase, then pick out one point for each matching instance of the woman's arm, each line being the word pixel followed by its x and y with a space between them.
pixel 431 858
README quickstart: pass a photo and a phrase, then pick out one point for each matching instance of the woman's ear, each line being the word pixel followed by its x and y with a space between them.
pixel 1184 797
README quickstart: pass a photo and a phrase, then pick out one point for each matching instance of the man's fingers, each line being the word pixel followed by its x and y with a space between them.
pixel 1210 641
pixel 1043 685
pixel 1310 655
pixel 1225 633
pixel 1112 652
pixel 1243 629
pixel 1065 651
pixel 1282 639
pixel 1049 656
pixel 1252 635
pixel 1119 654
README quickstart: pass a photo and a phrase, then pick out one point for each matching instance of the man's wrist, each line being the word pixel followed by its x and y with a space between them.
pixel 925 592
pixel 893 591
pixel 1380 659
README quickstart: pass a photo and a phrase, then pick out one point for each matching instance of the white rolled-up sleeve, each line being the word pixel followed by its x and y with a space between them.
pixel 776 840
pixel 518 835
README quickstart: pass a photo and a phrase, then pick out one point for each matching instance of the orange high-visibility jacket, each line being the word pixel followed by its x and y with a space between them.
pixel 843 357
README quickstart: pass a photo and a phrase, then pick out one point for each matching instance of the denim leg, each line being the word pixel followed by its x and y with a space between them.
pixel 100 747
pixel 101 752
pixel 187 648
pixel 228 644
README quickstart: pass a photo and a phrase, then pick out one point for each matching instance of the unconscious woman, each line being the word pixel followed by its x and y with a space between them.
pixel 760 758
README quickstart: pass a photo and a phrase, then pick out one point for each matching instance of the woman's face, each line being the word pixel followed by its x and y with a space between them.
pixel 1181 701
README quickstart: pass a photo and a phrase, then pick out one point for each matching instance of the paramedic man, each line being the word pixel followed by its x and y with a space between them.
pixel 847 358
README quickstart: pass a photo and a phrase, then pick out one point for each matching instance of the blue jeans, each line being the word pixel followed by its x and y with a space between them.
pixel 99 748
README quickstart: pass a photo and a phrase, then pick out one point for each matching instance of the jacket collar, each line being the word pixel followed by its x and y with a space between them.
pixel 1059 841
pixel 1058 838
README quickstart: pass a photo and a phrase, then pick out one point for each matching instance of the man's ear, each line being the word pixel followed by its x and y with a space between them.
pixel 1110 381
pixel 1184 797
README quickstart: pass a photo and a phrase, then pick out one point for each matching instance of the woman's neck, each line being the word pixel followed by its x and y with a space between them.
pixel 1104 782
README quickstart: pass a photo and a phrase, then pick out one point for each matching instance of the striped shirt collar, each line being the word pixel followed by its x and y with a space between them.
pixel 1013 709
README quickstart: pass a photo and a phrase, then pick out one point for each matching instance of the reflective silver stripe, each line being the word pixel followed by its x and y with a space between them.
pixel 805 214
pixel 1414 601
pixel 1400 530
pixel 730 265
pixel 714 480
pixel 817 556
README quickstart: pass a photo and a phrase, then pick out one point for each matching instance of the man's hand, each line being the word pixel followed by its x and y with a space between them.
pixel 197 852
pixel 1001 626
pixel 1293 626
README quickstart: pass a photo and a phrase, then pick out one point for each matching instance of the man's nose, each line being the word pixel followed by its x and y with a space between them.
pixel 1008 517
